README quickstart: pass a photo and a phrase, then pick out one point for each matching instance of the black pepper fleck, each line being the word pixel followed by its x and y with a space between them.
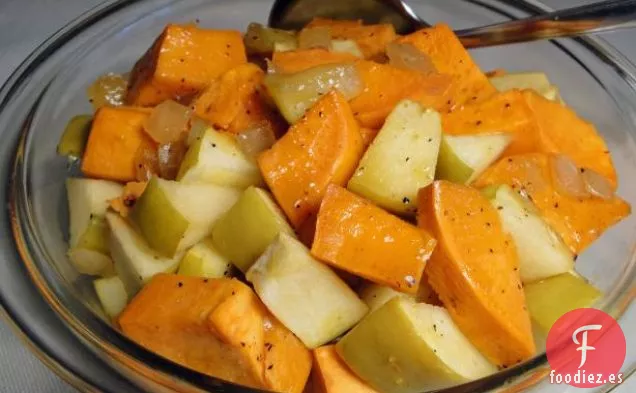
pixel 179 284
pixel 406 200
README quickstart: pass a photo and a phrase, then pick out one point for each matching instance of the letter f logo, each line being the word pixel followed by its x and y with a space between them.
pixel 584 347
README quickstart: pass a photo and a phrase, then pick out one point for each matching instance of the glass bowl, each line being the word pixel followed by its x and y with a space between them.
pixel 49 88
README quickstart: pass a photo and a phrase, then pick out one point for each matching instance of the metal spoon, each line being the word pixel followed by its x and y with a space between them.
pixel 602 16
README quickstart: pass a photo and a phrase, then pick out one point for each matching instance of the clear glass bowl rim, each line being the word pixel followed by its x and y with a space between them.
pixel 163 372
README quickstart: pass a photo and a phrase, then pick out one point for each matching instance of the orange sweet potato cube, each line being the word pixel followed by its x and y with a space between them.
pixel 450 57
pixel 474 270
pixel 181 62
pixel 218 327
pixel 323 147
pixel 356 236
pixel 234 102
pixel 116 135
pixel 578 221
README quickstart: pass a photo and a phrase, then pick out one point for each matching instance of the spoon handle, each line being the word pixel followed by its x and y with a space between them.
pixel 598 17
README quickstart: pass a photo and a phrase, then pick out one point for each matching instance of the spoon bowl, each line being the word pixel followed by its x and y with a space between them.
pixel 597 17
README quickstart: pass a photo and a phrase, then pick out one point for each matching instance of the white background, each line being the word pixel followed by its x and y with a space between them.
pixel 23 25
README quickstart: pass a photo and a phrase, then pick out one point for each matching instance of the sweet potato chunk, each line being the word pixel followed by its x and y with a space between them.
pixel 537 125
pixel 577 221
pixel 115 137
pixel 372 39
pixel 474 270
pixel 450 57
pixel 562 131
pixel 181 62
pixel 234 102
pixel 385 86
pixel 218 327
pixel 302 59
pixel 503 112
pixel 354 235
pixel 323 147
pixel 331 374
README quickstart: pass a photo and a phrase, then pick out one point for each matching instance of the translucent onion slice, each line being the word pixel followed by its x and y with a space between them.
pixel 315 37
pixel 167 122
pixel 146 162
pixel 597 185
pixel 256 139
pixel 346 46
pixel 169 157
pixel 407 56
pixel 567 177
pixel 108 90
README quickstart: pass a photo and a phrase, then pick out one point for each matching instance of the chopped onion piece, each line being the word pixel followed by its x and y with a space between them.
pixel 146 162
pixel 169 157
pixel 167 122
pixel 597 184
pixel 407 56
pixel 567 177
pixel 315 37
pixel 108 90
pixel 256 139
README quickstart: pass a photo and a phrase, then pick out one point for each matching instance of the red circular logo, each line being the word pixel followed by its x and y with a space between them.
pixel 586 348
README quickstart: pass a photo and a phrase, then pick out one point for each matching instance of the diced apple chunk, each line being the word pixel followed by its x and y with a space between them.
pixel 549 299
pixel 88 200
pixel 376 296
pixel 408 347
pixel 541 252
pixel 463 158
pixel 203 260
pixel 252 224
pixel 173 216
pixel 537 81
pixel 401 159
pixel 135 262
pixel 295 93
pixel 111 294
pixel 305 295
pixel 262 40
pixel 215 157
